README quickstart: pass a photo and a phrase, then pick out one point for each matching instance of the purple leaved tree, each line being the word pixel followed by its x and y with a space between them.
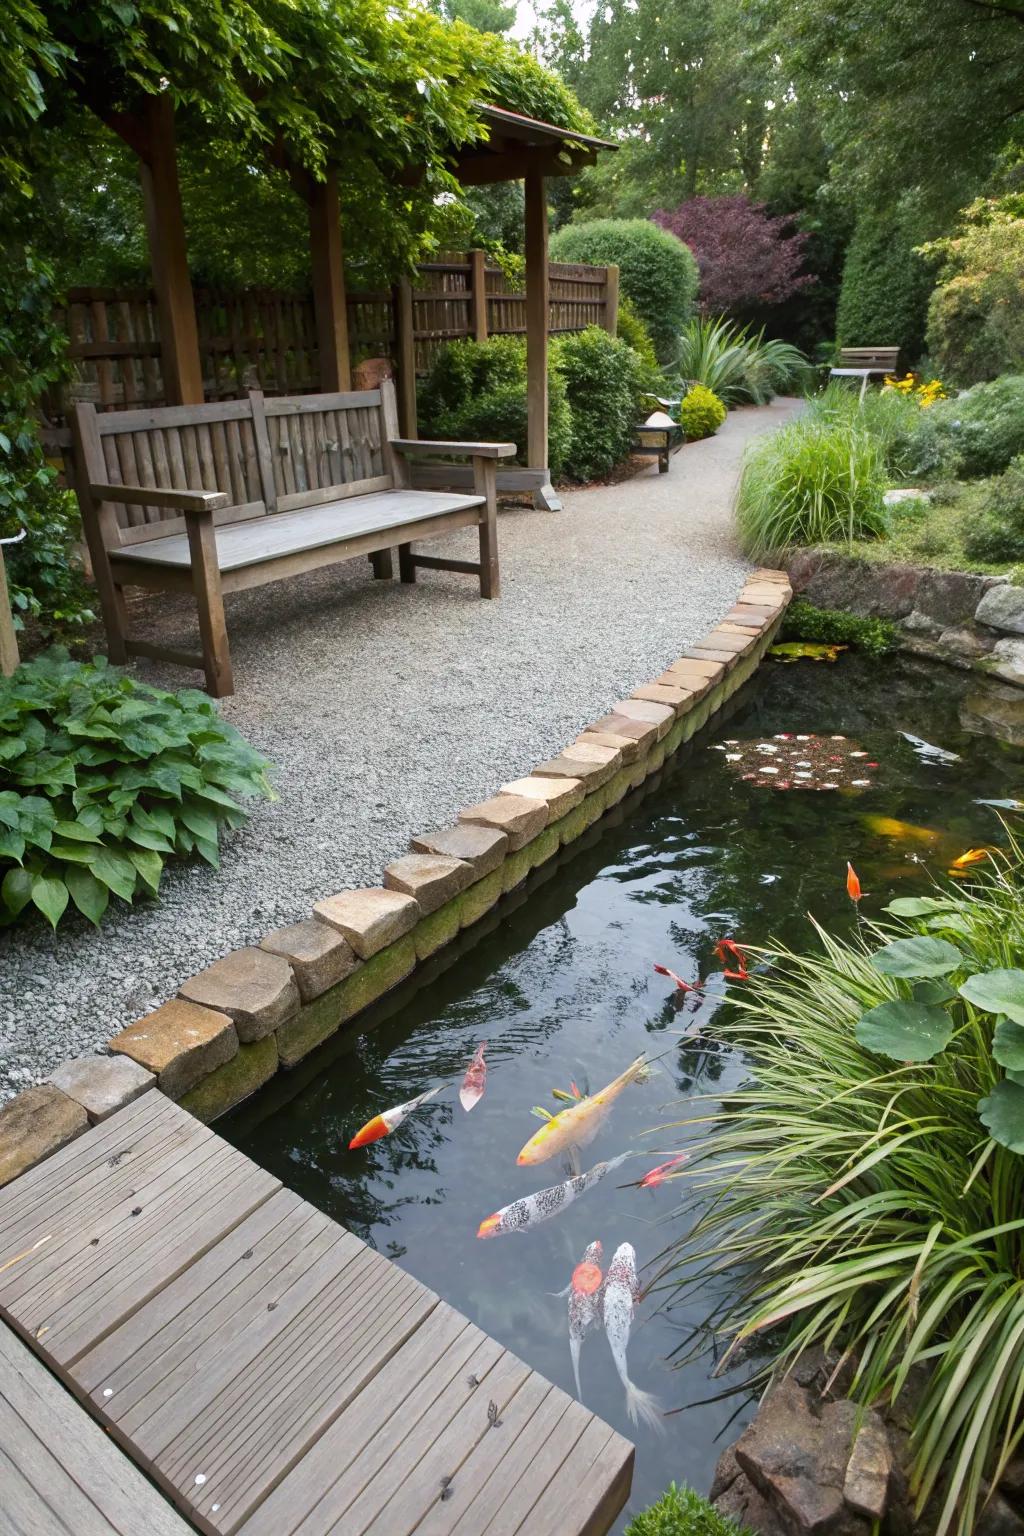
pixel 748 259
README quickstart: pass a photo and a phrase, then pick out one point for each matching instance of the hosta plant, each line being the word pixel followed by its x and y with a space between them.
pixel 102 780
pixel 866 1188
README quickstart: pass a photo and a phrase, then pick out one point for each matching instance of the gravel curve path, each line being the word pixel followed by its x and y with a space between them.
pixel 386 709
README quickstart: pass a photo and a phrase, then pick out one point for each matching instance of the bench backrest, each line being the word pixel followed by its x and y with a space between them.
pixel 868 357
pixel 268 455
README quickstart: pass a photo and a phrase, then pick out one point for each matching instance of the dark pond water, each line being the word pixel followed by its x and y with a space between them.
pixel 560 983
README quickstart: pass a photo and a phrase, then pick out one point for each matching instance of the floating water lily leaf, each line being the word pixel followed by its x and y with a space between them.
pixel 949 922
pixel 917 957
pixel 797 650
pixel 1008 1044
pixel 917 906
pixel 934 990
pixel 905 1031
pixel 1002 1115
pixel 997 992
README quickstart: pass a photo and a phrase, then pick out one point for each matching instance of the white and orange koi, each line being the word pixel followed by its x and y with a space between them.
pixel 579 1124
pixel 475 1080
pixel 584 1293
pixel 531 1210
pixel 390 1120
pixel 621 1293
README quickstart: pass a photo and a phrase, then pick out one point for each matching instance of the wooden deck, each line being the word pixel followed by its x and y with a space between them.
pixel 273 1374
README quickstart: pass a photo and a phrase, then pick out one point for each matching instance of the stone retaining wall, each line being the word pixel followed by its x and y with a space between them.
pixel 961 617
pixel 232 1026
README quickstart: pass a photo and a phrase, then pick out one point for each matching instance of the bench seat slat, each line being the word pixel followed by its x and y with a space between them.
pixel 268 538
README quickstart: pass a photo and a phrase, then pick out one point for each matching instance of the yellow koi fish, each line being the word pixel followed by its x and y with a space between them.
pixel 580 1123
pixel 902 831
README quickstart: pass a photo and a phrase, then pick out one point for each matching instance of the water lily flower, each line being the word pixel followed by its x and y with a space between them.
pixel 853 889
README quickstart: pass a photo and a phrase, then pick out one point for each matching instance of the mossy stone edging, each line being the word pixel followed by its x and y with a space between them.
pixel 610 758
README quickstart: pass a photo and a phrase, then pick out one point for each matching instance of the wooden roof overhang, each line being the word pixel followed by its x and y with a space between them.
pixel 517 145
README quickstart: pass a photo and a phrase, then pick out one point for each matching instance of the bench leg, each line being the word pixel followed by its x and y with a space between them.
pixel 406 564
pixel 383 570
pixel 485 476
pixel 202 548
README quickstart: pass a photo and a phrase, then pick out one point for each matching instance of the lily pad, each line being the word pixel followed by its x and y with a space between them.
pixel 1008 1044
pixel 917 906
pixel 809 650
pixel 997 992
pixel 905 1031
pixel 1002 1115
pixel 917 957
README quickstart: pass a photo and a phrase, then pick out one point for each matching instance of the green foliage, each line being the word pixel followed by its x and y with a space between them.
pixel 883 299
pixel 831 626
pixel 681 1512
pixel 812 482
pixel 890 418
pixel 102 780
pixel 657 272
pixel 976 313
pixel 631 329
pixel 476 391
pixel 701 413
pixel 603 384
pixel 977 433
pixel 739 365
pixel 997 532
pixel 865 1188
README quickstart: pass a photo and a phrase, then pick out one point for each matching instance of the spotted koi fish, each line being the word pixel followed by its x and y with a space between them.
pixel 475 1080
pixel 390 1120
pixel 531 1210
pixel 578 1125
pixel 621 1293
pixel 584 1293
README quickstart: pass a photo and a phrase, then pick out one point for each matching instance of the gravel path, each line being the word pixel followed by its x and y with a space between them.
pixel 386 709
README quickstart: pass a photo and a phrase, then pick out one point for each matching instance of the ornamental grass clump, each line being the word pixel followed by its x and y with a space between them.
pixel 815 481
pixel 865 1189
pixel 103 780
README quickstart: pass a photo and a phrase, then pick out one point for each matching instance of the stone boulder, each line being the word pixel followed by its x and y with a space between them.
pixel 1002 608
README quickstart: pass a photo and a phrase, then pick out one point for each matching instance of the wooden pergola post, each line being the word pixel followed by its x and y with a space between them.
pixel 405 353
pixel 9 657
pixel 165 228
pixel 478 295
pixel 537 307
pixel 329 283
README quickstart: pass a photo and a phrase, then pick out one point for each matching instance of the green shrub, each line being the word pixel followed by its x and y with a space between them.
pixel 890 418
pixel 831 626
pixel 812 482
pixel 102 780
pixel 865 1188
pixel 603 386
pixel 477 391
pixel 977 433
pixel 701 413
pixel 883 298
pixel 976 313
pixel 998 532
pixel 657 272
pixel 681 1512
pixel 631 329
pixel 739 365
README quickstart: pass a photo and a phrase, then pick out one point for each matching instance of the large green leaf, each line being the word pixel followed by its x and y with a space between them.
pixel 199 821
pixel 1008 1044
pixel 51 897
pixel 918 956
pixel 16 890
pixel 917 906
pixel 89 895
pixel 12 845
pixel 934 989
pixel 906 1031
pixel 78 830
pixel 149 865
pixel 116 870
pixel 1002 1115
pixel 998 991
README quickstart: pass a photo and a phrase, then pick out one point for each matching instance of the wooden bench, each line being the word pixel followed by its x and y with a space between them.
pixel 862 362
pixel 217 498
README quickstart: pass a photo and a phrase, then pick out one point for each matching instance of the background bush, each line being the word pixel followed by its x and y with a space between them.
pixel 741 367
pixel 476 391
pixel 701 413
pixel 977 433
pixel 883 297
pixel 998 532
pixel 603 386
pixel 102 780
pixel 832 626
pixel 657 272
pixel 748 259
pixel 631 329
pixel 976 313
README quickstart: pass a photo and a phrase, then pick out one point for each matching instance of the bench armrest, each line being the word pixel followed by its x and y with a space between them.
pixel 152 496
pixel 414 445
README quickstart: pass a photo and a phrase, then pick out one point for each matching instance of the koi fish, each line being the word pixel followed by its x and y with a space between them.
pixel 657 1175
pixel 580 1123
pixel 853 889
pixel 725 949
pixel 902 831
pixel 531 1210
pixel 683 986
pixel 584 1293
pixel 475 1080
pixel 925 750
pixel 960 865
pixel 621 1293
pixel 390 1120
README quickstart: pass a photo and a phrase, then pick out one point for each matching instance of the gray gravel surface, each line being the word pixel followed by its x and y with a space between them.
pixel 386 709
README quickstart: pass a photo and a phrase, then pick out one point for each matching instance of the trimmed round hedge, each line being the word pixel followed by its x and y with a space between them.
pixel 657 272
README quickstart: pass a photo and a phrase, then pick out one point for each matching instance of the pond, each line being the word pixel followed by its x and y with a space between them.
pixel 740 837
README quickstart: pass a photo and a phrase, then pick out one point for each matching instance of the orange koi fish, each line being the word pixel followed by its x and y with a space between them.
pixel 657 1175
pixel 475 1080
pixel 902 831
pixel 580 1123
pixel 683 986
pixel 726 949
pixel 584 1293
pixel 531 1210
pixel 390 1120
pixel 960 865
pixel 853 889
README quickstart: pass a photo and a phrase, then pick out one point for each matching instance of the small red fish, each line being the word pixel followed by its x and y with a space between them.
pixel 726 949
pixel 683 986
pixel 475 1080
pixel 657 1175
pixel 390 1120
pixel 853 889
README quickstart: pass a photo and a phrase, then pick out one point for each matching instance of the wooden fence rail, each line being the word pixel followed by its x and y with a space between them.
pixel 265 339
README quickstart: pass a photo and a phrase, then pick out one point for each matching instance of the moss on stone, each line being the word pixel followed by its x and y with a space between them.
pixel 544 846
pixel 516 868
pixel 617 787
pixel 571 825
pixel 655 757
pixel 434 932
pixel 480 898
pixel 251 1067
